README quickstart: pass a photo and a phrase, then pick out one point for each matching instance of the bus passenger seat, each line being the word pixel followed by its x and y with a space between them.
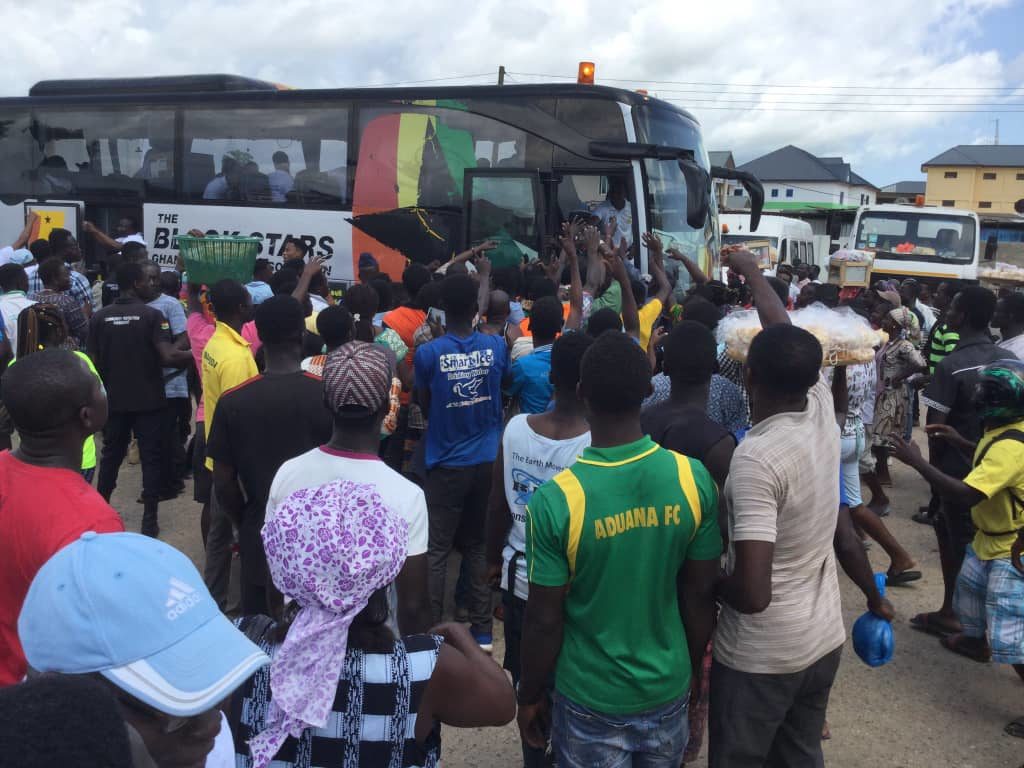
pixel 199 169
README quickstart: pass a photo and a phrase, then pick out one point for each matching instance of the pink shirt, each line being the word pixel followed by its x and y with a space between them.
pixel 199 329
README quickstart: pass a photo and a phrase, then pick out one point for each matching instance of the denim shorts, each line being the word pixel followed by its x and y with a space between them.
pixel 583 738
pixel 852 447
pixel 989 599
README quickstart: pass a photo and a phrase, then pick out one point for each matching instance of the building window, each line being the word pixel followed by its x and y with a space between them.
pixel 948 203
pixel 988 176
pixel 789 193
pixel 775 192
pixel 984 204
pixel 1020 177
pixel 738 192
pixel 841 196
pixel 949 175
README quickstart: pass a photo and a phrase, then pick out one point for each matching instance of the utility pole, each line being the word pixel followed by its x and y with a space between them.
pixel 501 78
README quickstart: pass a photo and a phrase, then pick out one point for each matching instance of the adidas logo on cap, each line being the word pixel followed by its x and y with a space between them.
pixel 180 597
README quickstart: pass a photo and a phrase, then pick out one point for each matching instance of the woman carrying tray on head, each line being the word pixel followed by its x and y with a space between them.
pixel 897 359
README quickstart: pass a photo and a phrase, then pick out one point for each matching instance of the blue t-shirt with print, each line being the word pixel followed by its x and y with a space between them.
pixel 463 376
pixel 531 380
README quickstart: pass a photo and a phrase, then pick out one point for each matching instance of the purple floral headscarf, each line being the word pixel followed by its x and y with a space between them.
pixel 329 548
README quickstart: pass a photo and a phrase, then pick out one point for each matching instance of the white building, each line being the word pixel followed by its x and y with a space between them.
pixel 794 178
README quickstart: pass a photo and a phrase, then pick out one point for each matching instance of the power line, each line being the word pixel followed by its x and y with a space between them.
pixel 773 94
pixel 432 80
pixel 819 103
pixel 781 85
pixel 769 108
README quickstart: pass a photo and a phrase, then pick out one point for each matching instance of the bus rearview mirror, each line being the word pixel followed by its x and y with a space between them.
pixel 754 188
pixel 698 193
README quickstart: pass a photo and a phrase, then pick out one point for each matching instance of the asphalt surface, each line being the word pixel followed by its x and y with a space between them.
pixel 927 708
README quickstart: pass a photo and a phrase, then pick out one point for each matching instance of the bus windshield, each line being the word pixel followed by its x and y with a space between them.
pixel 917 236
pixel 666 185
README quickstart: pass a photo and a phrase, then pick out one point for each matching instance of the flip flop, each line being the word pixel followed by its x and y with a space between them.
pixel 924 622
pixel 952 643
pixel 902 578
pixel 923 518
pixel 1016 728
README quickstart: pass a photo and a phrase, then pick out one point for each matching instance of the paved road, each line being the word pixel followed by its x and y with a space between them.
pixel 925 709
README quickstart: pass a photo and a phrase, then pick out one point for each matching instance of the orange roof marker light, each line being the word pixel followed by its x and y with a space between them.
pixel 585 73
pixel 919 200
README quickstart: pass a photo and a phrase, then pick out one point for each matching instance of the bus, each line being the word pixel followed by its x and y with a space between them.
pixel 788 240
pixel 402 174
pixel 930 244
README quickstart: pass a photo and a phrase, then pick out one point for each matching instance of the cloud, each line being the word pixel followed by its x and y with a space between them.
pixel 896 43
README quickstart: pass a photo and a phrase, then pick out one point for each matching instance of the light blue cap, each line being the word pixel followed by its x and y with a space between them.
pixel 135 610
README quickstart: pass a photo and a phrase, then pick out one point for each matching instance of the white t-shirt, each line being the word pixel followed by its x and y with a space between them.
pixel 783 487
pixel 324 465
pixel 530 460
pixel 11 305
pixel 1015 345
pixel 623 220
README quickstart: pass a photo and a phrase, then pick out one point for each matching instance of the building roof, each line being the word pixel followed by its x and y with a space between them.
pixel 794 164
pixel 722 159
pixel 905 188
pixel 996 155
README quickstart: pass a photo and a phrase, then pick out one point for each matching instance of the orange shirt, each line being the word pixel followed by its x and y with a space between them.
pixel 524 326
pixel 404 321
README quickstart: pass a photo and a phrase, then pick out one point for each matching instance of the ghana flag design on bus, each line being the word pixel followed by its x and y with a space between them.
pixel 407 202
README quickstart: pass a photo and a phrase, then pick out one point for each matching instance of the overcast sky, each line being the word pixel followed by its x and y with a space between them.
pixel 896 55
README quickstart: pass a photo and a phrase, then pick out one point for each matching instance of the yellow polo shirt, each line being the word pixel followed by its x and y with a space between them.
pixel 649 314
pixel 227 362
pixel 999 476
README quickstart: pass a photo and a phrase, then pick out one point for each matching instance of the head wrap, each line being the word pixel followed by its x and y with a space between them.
pixel 906 320
pixel 329 548
pixel 357 377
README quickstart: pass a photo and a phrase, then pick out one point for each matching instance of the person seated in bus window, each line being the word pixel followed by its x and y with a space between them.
pixel 156 164
pixel 221 184
pixel 253 185
pixel 281 181
pixel 617 206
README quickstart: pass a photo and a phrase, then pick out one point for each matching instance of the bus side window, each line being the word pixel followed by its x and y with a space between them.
pixel 803 252
pixel 291 154
pixel 126 152
pixel 503 208
pixel 782 250
pixel 18 153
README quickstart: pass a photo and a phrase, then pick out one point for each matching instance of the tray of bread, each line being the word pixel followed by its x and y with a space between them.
pixel 846 338
pixel 1002 273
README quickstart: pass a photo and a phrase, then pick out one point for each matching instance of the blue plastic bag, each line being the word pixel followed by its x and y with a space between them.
pixel 872 635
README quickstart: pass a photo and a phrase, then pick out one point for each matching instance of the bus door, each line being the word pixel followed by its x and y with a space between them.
pixel 505 206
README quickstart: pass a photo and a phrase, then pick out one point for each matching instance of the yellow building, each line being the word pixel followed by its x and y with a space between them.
pixel 987 178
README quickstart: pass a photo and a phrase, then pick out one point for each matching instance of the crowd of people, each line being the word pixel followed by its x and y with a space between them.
pixel 665 524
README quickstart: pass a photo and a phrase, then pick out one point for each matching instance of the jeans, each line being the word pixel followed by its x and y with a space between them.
pixel 583 738
pixel 176 418
pixel 457 509
pixel 515 608
pixel 219 540
pixel 769 720
pixel 849 467
pixel 117 434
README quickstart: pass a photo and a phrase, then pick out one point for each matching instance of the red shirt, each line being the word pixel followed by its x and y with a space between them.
pixel 41 511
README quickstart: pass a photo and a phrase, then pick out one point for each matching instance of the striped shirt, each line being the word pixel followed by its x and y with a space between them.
pixel 941 341
pixel 782 488
pixel 372 721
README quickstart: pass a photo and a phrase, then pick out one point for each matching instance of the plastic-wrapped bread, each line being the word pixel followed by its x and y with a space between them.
pixel 846 338
pixel 1002 271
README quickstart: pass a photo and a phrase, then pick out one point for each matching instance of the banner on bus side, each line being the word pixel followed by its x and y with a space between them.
pixel 325 233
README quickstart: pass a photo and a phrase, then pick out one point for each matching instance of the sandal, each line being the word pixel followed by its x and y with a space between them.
pixel 902 578
pixel 956 644
pixel 928 623
pixel 923 518
pixel 1016 728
